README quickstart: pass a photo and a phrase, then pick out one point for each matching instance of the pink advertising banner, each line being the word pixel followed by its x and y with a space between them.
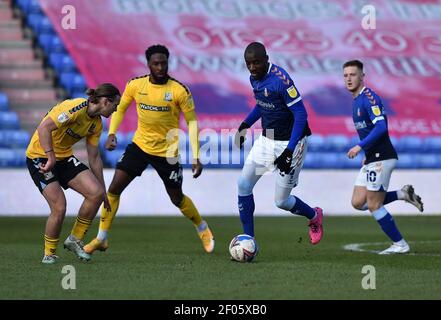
pixel 399 42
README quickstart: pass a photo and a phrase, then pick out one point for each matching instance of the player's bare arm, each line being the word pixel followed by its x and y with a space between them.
pixel 45 135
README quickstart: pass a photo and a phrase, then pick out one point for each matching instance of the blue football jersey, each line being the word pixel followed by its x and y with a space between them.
pixel 367 109
pixel 274 94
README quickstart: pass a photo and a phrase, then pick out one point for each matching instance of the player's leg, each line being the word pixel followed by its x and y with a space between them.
pixel 259 161
pixel 56 200
pixel 170 173
pixel 378 178
pixel 72 173
pixel 406 193
pixel 284 200
pixel 49 187
pixel 132 164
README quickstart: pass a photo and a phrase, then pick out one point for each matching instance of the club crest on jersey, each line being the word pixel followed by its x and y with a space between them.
pixel 265 92
pixel 168 96
pixel 292 92
pixel 376 110
pixel 62 117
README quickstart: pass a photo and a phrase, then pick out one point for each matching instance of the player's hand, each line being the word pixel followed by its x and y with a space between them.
pixel 50 163
pixel 353 152
pixel 240 136
pixel 196 168
pixel 111 142
pixel 106 202
pixel 283 162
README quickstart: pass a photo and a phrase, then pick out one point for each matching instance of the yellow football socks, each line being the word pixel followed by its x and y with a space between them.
pixel 107 216
pixel 80 227
pixel 50 245
pixel 189 210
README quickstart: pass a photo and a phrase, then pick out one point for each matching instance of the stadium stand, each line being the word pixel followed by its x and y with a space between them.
pixel 36 71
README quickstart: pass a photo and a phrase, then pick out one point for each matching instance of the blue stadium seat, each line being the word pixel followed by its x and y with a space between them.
pixel 407 161
pixel 394 141
pixel 409 144
pixel 67 64
pixel 14 138
pixel 44 27
pixel 429 161
pixel 316 142
pixel 4 102
pixel 72 81
pixel 102 141
pixel 432 144
pixel 23 4
pixel 351 163
pixel 33 7
pixel 57 45
pixel 20 157
pixel 7 157
pixel 337 142
pixel 34 20
pixel 353 141
pixel 324 160
pixel 45 41
pixel 55 59
pixel 130 134
pixel 80 94
pixel 9 120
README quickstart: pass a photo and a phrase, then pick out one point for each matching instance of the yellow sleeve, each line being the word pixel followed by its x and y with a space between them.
pixel 186 102
pixel 94 138
pixel 193 132
pixel 126 100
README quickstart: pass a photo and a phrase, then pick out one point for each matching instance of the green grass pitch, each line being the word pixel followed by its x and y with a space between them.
pixel 162 258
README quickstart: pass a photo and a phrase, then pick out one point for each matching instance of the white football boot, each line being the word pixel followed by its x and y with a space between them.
pixel 397 247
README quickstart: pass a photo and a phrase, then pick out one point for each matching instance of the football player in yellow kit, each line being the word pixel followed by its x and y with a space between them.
pixel 159 101
pixel 53 166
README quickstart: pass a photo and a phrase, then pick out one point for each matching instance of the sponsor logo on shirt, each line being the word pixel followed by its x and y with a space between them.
pixel 360 125
pixel 265 105
pixel 73 134
pixel 292 92
pixel 376 110
pixel 62 117
pixel 154 108
pixel 168 96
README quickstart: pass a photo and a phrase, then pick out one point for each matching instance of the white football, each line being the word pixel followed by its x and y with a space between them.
pixel 243 248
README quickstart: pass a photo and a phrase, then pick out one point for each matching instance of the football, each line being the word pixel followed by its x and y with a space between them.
pixel 243 248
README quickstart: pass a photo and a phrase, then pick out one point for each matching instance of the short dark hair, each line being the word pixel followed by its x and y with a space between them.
pixel 256 48
pixel 107 90
pixel 157 48
pixel 353 63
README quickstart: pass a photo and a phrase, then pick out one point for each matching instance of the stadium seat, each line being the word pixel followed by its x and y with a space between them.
pixel 429 161
pixel 55 59
pixel 4 102
pixel 80 94
pixel 432 144
pixel 14 138
pixel 7 157
pixel 57 45
pixel 407 161
pixel 394 141
pixel 34 20
pixel 44 26
pixel 9 120
pixel 72 81
pixel 23 4
pixel 409 144
pixel 337 143
pixel 45 41
pixel 316 142
pixel 33 7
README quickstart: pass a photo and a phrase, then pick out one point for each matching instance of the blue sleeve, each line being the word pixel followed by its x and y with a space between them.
pixel 300 117
pixel 253 116
pixel 379 129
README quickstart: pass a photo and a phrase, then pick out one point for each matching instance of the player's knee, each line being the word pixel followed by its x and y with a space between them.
pixel 95 193
pixel 358 205
pixel 374 205
pixel 244 187
pixel 283 204
pixel 177 199
pixel 58 209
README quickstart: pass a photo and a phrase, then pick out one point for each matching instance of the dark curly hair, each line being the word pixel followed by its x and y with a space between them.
pixel 157 48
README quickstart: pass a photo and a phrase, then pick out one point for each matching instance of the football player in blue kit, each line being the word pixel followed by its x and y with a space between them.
pixel 282 145
pixel 370 190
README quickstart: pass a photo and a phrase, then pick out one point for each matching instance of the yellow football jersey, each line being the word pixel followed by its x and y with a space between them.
pixel 158 107
pixel 73 124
